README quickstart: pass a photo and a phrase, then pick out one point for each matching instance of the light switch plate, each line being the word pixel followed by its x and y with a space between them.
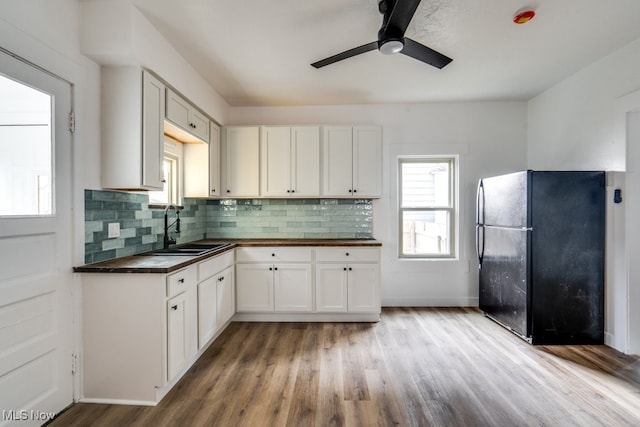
pixel 113 230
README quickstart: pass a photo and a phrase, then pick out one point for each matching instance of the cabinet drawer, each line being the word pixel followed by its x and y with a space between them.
pixel 214 265
pixel 347 254
pixel 273 254
pixel 179 281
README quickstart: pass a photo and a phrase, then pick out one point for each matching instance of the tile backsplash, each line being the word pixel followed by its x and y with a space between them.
pixel 142 228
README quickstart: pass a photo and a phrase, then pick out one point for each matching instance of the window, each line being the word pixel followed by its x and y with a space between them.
pixel 26 173
pixel 427 207
pixel 169 194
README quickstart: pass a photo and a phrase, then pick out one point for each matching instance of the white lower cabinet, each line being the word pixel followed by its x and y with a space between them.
pixel 215 296
pixel 286 280
pixel 225 296
pixel 348 280
pixel 274 280
pixel 142 331
pixel 177 334
pixel 254 284
pixel 292 290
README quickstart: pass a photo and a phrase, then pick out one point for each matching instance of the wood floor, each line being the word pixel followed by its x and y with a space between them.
pixel 417 367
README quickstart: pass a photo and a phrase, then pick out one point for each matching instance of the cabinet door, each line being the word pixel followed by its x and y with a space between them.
pixel 177 347
pixel 153 92
pixel 305 161
pixel 275 157
pixel 254 287
pixel 367 161
pixel 225 296
pixel 331 288
pixel 363 287
pixel 178 110
pixel 337 161
pixel 214 160
pixel 198 124
pixel 292 287
pixel 207 310
pixel 242 161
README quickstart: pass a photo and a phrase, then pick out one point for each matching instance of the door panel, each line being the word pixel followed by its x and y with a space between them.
pixel 504 276
pixel 503 200
pixel 568 243
pixel 36 302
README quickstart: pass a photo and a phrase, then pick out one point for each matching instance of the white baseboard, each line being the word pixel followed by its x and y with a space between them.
pixel 430 302
pixel 306 317
pixel 117 401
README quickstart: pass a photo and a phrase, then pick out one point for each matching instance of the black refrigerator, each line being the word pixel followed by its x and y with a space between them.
pixel 540 240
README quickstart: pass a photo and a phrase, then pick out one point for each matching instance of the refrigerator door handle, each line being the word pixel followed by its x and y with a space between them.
pixel 479 248
pixel 480 203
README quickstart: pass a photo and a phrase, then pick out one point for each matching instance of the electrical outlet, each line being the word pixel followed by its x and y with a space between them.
pixel 113 230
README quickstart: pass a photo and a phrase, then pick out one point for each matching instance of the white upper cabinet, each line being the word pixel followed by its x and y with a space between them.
pixel 133 110
pixel 181 113
pixel 290 161
pixel 214 160
pixel 352 161
pixel 202 166
pixel 241 153
pixel 305 161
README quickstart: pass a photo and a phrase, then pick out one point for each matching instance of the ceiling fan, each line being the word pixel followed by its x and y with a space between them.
pixel 397 15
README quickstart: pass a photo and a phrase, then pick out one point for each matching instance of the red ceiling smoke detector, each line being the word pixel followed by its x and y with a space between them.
pixel 524 15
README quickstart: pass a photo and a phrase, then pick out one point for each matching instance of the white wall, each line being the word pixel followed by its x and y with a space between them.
pixel 579 124
pixel 489 137
pixel 114 32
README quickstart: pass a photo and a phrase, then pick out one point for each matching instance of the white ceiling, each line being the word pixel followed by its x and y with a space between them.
pixel 257 52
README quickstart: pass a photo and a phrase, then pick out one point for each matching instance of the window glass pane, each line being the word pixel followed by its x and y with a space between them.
pixel 425 232
pixel 26 145
pixel 425 184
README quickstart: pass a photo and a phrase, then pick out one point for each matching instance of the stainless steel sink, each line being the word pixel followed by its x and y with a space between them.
pixel 188 249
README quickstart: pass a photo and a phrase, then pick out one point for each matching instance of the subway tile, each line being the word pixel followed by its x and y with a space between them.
pixel 104 255
pixel 92 205
pixel 126 215
pixel 127 251
pixel 128 232
pixel 149 239
pixel 103 215
pixel 112 244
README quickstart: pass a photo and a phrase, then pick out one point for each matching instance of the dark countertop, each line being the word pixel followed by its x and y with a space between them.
pixel 168 263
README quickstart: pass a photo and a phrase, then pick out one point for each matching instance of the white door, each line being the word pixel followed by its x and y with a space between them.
pixel 331 288
pixel 292 287
pixel 254 287
pixel 275 155
pixel 242 161
pixel 337 161
pixel 36 305
pixel 367 161
pixel 305 161
pixel 363 287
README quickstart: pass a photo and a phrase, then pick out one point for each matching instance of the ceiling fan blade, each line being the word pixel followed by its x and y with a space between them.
pixel 425 54
pixel 346 54
pixel 398 18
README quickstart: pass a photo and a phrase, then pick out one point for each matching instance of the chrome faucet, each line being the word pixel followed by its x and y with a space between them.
pixel 167 238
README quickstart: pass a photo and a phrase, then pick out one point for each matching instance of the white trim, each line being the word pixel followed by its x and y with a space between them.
pixel 430 302
pixel 622 107
pixel 304 317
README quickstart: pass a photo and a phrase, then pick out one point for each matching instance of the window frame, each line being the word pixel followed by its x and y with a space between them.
pixel 451 208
